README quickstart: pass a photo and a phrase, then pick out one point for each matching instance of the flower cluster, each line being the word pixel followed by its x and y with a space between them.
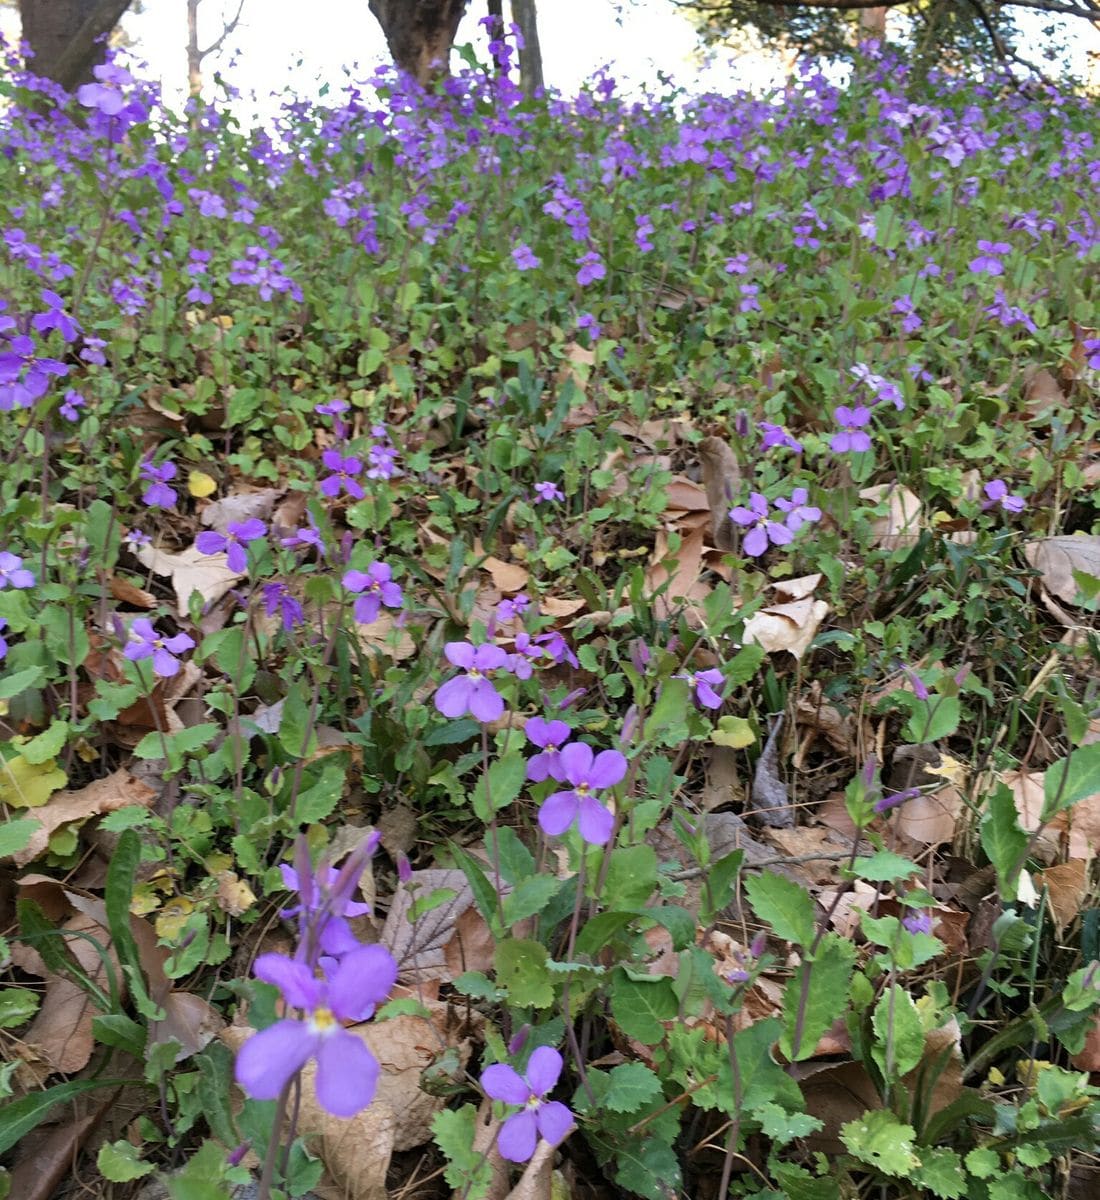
pixel 764 529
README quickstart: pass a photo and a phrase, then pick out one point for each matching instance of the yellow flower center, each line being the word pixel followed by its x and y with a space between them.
pixel 582 789
pixel 322 1020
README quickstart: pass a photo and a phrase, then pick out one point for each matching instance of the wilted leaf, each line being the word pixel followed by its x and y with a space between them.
pixel 509 577
pixel 902 523
pixel 241 506
pixel 24 784
pixel 419 945
pixel 931 817
pixel 722 481
pixel 1067 886
pixel 126 592
pixel 791 626
pixel 1057 558
pixel 191 571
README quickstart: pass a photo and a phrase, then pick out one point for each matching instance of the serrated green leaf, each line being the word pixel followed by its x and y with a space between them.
pixel 666 720
pixel 477 985
pixel 884 867
pixel 17 1006
pixel 640 1007
pixel 799 1184
pixel 941 1172
pixel 632 1086
pixel 521 972
pixel 119 1162
pixel 183 741
pixel 824 980
pixel 467 1170
pixel 649 1169
pixel 785 906
pixel 782 1126
pixel 47 744
pixel 600 930
pixel 16 835
pixel 1003 841
pixel 631 876
pixel 899 1034
pixel 204 1177
pixel 529 898
pixel 879 1139
pixel 20 681
pixel 982 1162
pixel 500 786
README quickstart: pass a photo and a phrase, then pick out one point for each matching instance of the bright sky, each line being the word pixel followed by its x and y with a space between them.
pixel 276 48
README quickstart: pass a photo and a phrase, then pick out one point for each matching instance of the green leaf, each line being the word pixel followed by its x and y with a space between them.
pixel 718 884
pixel 897 1026
pixel 631 876
pixel 785 906
pixel 320 799
pixel 678 921
pixel 485 895
pixel 521 971
pixel 20 681
pixel 666 721
pixel 1071 779
pixel 118 895
pixel 649 1169
pixel 825 979
pixel 879 1139
pixel 451 733
pixel 743 666
pixel 941 1172
pixel 21 1116
pixel 798 1184
pixel 884 867
pixel 204 1177
pixel 529 898
pixel 1003 841
pixel 47 744
pixel 500 786
pixel 782 1126
pixel 17 1005
pixel 632 1086
pixel 117 1029
pixel 16 835
pixel 214 1090
pixel 477 985
pixel 119 1162
pixel 600 930
pixel 932 719
pixel 640 1006
pixel 467 1171
pixel 516 861
pixel 735 732
pixel 183 741
pixel 983 1162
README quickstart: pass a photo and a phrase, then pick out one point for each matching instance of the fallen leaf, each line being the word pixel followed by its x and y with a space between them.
pixel 678 570
pixel 722 481
pixel 1067 886
pixel 1057 558
pixel 902 523
pixel 191 571
pixel 419 945
pixel 815 713
pixel 556 606
pixel 723 784
pixel 118 790
pixel 789 627
pixel 507 576
pixel 188 1020
pixel 44 1162
pixel 200 485
pixel 386 635
pixel 126 592
pixel 931 817
pixel 241 506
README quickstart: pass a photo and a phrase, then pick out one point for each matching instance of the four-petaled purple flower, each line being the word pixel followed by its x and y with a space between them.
pixel 237 535
pixel 918 921
pixel 13 573
pixel 852 436
pixel 988 261
pixel 704 683
pixel 158 494
pixel 347 1072
pixel 549 736
pixel 776 435
pixel 105 95
pixel 546 491
pixel 591 268
pixel 145 642
pixel 71 405
pixel 343 477
pixel 524 257
pixel 587 773
pixel 798 512
pixel 538 1116
pixel 374 587
pixel 55 317
pixel 472 692
pixel 763 530
pixel 996 491
pixel 555 645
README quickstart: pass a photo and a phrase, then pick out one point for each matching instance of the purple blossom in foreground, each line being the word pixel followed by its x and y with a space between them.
pixel 278 598
pixel 521 664
pixel 918 921
pixel 233 542
pixel 473 691
pixel 885 391
pixel 55 317
pixel 547 491
pixel 158 494
pixel 996 491
pixel 549 1119
pixel 762 530
pixel 1009 315
pixel 587 773
pixel 513 607
pixel 852 437
pixel 13 573
pixel 105 95
pixel 894 799
pixel 988 261
pixel 798 511
pixel 145 642
pixel 374 587
pixel 1092 353
pixel 524 257
pixel 776 435
pixel 591 268
pixel 325 900
pixel 586 322
pixel 347 1072
pixel 749 301
pixel 343 477
pixel 549 736
pixel 703 683
pixel 904 306
pixel 306 535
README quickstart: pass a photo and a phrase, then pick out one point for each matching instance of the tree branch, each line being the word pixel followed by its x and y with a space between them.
pixel 226 31
pixel 1089 10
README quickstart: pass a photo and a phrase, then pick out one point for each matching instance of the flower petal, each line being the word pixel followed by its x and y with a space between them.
pixel 453 698
pixel 269 1059
pixel 502 1082
pixel 364 979
pixel 300 987
pixel 544 1070
pixel 486 703
pixel 460 653
pixel 576 761
pixel 347 1074
pixel 518 1137
pixel 596 822
pixel 607 769
pixel 558 812
pixel 554 1121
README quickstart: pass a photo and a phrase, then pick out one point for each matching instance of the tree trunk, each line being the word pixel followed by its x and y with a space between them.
pixel 872 22
pixel 420 33
pixel 194 55
pixel 530 57
pixel 64 35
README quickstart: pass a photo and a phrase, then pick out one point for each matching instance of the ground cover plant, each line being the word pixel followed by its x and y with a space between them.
pixel 550 646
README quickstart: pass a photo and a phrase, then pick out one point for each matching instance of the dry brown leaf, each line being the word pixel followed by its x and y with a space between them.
pixel 902 523
pixel 722 482
pixel 835 1095
pixel 946 1074
pixel 419 946
pixel 723 784
pixel 687 496
pixel 1089 1058
pixel 537 1180
pixel 814 712
pixel 104 795
pixel 556 606
pixel 789 590
pixel 1041 390
pixel 188 1020
pixel 45 1161
pixel 507 576
pixel 126 592
pixel 930 818
pixel 191 571
pixel 241 506
pixel 682 570
pixel 380 635
pixel 789 627
pixel 801 840
pixel 1067 885
pixel 1057 558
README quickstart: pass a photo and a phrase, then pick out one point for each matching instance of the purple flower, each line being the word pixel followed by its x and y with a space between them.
pixel 591 268
pixel 704 683
pixel 852 436
pixel 549 1118
pixel 904 306
pixel 798 512
pixel 55 317
pixel 158 494
pixel 918 921
pixel 233 542
pixel 13 573
pixel 473 691
pixel 343 477
pixel 135 538
pixel 997 492
pixel 550 736
pixel 547 491
pixel 988 262
pixel 106 94
pixel 71 405
pixel 278 598
pixel 383 462
pixel 307 535
pixel 763 530
pixel 513 607
pixel 587 774
pixel 920 690
pixel 325 900
pixel 374 587
pixel 885 803
pixel 586 321
pixel 527 653
pixel 347 1072
pixel 524 257
pixel 1092 352
pixel 332 408
pixel 776 435
pixel 145 642
pixel 884 390
pixel 748 301
pixel 3 640
pixel 557 648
